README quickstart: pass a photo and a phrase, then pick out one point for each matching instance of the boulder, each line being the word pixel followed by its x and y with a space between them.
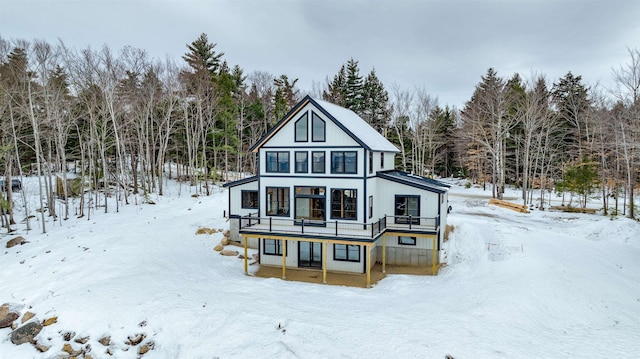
pixel 27 316
pixel 81 340
pixel 47 322
pixel 15 241
pixel 225 241
pixel 227 252
pixel 134 340
pixel 7 315
pixel 69 349
pixel 106 340
pixel 26 333
pixel 144 348
pixel 218 248
pixel 42 347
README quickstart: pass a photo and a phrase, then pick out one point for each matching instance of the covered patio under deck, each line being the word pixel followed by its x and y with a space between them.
pixel 341 278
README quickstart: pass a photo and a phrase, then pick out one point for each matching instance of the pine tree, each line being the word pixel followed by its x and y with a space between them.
pixel 570 98
pixel 336 89
pixel 354 87
pixel 375 103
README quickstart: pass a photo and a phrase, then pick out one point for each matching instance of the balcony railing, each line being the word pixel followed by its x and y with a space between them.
pixel 356 230
pixel 312 227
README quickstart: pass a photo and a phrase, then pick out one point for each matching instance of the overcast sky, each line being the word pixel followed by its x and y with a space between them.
pixel 443 46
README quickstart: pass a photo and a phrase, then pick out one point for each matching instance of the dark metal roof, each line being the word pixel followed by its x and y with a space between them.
pixel 241 181
pixel 414 181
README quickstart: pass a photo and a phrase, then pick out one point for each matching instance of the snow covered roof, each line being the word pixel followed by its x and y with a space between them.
pixel 241 181
pixel 414 181
pixel 347 120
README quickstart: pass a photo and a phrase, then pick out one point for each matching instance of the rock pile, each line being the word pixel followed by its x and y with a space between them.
pixel 27 329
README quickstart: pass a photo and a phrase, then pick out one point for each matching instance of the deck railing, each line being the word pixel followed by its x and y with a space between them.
pixel 313 227
pixel 337 228
pixel 413 223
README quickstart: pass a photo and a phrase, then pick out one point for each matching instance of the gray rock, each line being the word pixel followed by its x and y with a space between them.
pixel 7 315
pixel 26 333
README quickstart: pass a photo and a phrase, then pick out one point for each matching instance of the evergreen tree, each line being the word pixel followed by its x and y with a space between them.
pixel 375 103
pixel 571 101
pixel 285 97
pixel 336 89
pixel 354 87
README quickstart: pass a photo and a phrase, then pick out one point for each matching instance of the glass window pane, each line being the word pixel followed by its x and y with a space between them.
pixel 318 162
pixel 318 128
pixel 301 129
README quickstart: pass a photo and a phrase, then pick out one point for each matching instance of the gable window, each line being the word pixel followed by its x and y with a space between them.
pixel 343 204
pixel 346 252
pixel 370 162
pixel 301 129
pixel 318 128
pixel 249 199
pixel 302 162
pixel 381 160
pixel 344 162
pixel 278 201
pixel 272 247
pixel 278 162
pixel 318 162
pixel 407 209
pixel 407 241
pixel 310 203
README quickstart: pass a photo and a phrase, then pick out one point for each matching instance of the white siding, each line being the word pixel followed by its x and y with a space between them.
pixel 387 190
pixel 235 198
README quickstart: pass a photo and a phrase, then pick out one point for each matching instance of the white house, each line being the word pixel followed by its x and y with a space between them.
pixel 327 197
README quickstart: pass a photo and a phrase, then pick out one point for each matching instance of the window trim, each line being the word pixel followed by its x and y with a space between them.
pixel 346 249
pixel 415 219
pixel 370 162
pixel 314 117
pixel 344 164
pixel 304 118
pixel 278 161
pixel 370 206
pixel 412 239
pixel 277 243
pixel 322 197
pixel 324 162
pixel 266 209
pixel 355 210
pixel 381 160
pixel 246 191
pixel 306 162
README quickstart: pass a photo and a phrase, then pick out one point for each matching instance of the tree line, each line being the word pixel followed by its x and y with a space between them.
pixel 120 117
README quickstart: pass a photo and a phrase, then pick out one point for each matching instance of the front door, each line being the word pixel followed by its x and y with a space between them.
pixel 310 254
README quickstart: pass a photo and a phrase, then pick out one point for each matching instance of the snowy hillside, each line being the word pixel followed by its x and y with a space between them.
pixel 536 285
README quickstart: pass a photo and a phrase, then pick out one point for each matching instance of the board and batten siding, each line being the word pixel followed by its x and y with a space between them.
pixel 387 191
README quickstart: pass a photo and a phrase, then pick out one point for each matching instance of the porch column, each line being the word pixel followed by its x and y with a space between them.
pixel 324 262
pixel 368 266
pixel 433 256
pixel 384 253
pixel 246 266
pixel 284 258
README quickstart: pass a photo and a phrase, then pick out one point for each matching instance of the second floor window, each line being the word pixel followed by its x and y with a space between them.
pixel 318 162
pixel 343 204
pixel 407 209
pixel 250 199
pixel 302 162
pixel 278 201
pixel 278 162
pixel 344 162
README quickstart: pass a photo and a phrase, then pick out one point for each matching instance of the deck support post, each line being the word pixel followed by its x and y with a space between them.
pixel 284 258
pixel 433 256
pixel 324 262
pixel 384 254
pixel 246 253
pixel 368 266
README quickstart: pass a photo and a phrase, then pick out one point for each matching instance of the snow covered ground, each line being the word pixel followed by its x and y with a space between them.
pixel 536 285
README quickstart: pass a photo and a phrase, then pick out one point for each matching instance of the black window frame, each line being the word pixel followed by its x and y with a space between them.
pixel 302 118
pixel 341 209
pixel 403 218
pixel 287 202
pixel 279 162
pixel 277 245
pixel 335 168
pixel 347 257
pixel 313 162
pixel 411 241
pixel 314 118
pixel 245 205
pixel 370 206
pixel 381 160
pixel 306 161
pixel 311 196
pixel 371 162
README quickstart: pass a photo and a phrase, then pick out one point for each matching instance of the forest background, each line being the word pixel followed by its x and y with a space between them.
pixel 107 122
